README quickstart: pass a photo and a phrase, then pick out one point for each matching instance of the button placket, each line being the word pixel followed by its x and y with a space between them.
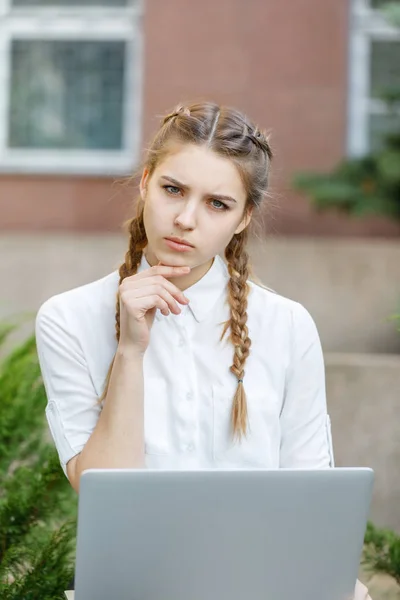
pixel 182 331
pixel 187 408
pixel 189 432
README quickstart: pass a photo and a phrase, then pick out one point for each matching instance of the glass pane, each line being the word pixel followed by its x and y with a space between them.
pixel 67 3
pixel 67 94
pixel 379 126
pixel 385 66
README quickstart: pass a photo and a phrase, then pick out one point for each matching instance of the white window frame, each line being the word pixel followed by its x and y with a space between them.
pixel 75 23
pixel 366 25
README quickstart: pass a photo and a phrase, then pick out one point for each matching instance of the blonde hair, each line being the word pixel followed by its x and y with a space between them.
pixel 229 133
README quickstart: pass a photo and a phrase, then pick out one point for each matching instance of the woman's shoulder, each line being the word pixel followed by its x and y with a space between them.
pixel 78 303
pixel 262 296
pixel 268 306
pixel 75 330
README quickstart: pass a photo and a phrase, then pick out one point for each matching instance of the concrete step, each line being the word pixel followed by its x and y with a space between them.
pixel 363 393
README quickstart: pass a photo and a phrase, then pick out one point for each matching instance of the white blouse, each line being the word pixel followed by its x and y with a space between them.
pixel 188 387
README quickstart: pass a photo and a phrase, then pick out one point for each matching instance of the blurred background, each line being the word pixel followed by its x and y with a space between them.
pixel 83 85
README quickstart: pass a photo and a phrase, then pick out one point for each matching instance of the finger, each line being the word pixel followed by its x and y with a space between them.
pixel 160 291
pixel 134 294
pixel 150 302
pixel 160 281
pixel 162 270
pixel 145 304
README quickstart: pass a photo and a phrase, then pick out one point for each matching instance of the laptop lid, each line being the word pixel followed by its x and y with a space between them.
pixel 220 535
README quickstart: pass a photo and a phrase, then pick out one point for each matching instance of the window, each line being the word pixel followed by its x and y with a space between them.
pixel 374 67
pixel 70 86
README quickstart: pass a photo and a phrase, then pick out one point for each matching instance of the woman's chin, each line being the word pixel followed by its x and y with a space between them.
pixel 170 259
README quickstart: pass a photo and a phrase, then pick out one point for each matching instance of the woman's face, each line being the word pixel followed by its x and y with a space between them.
pixel 195 195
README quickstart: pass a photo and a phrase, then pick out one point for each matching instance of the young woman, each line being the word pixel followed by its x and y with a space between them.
pixel 196 366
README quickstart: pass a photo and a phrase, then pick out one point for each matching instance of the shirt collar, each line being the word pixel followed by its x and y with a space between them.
pixel 204 294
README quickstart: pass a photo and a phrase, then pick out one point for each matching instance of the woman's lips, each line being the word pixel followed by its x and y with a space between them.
pixel 178 246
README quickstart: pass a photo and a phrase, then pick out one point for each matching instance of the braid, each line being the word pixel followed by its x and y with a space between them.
pixel 133 256
pixel 238 290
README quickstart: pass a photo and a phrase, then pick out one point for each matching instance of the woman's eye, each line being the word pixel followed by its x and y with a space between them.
pixel 220 205
pixel 172 189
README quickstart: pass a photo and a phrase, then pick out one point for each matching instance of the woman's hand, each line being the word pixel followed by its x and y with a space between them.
pixel 140 296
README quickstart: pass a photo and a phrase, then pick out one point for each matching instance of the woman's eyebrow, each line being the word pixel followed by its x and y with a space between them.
pixel 186 187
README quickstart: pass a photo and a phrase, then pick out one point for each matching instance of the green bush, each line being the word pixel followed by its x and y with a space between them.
pixel 37 505
pixel 382 551
pixel 364 186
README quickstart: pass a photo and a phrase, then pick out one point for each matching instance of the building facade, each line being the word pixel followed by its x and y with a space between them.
pixel 84 83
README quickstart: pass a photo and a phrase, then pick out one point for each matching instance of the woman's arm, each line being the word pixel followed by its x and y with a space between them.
pixel 85 435
pixel 305 425
pixel 118 438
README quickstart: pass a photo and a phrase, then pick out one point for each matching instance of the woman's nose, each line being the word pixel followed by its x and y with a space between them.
pixel 186 218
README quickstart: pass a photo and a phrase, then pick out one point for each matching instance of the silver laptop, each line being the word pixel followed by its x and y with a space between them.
pixel 220 534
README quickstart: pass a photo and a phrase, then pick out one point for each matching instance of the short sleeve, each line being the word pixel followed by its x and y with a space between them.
pixel 72 409
pixel 305 425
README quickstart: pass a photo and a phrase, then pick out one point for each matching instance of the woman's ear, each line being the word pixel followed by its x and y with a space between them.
pixel 143 184
pixel 245 221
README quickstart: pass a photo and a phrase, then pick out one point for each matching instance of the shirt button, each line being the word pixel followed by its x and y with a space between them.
pixel 181 342
pixel 190 447
pixel 189 396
